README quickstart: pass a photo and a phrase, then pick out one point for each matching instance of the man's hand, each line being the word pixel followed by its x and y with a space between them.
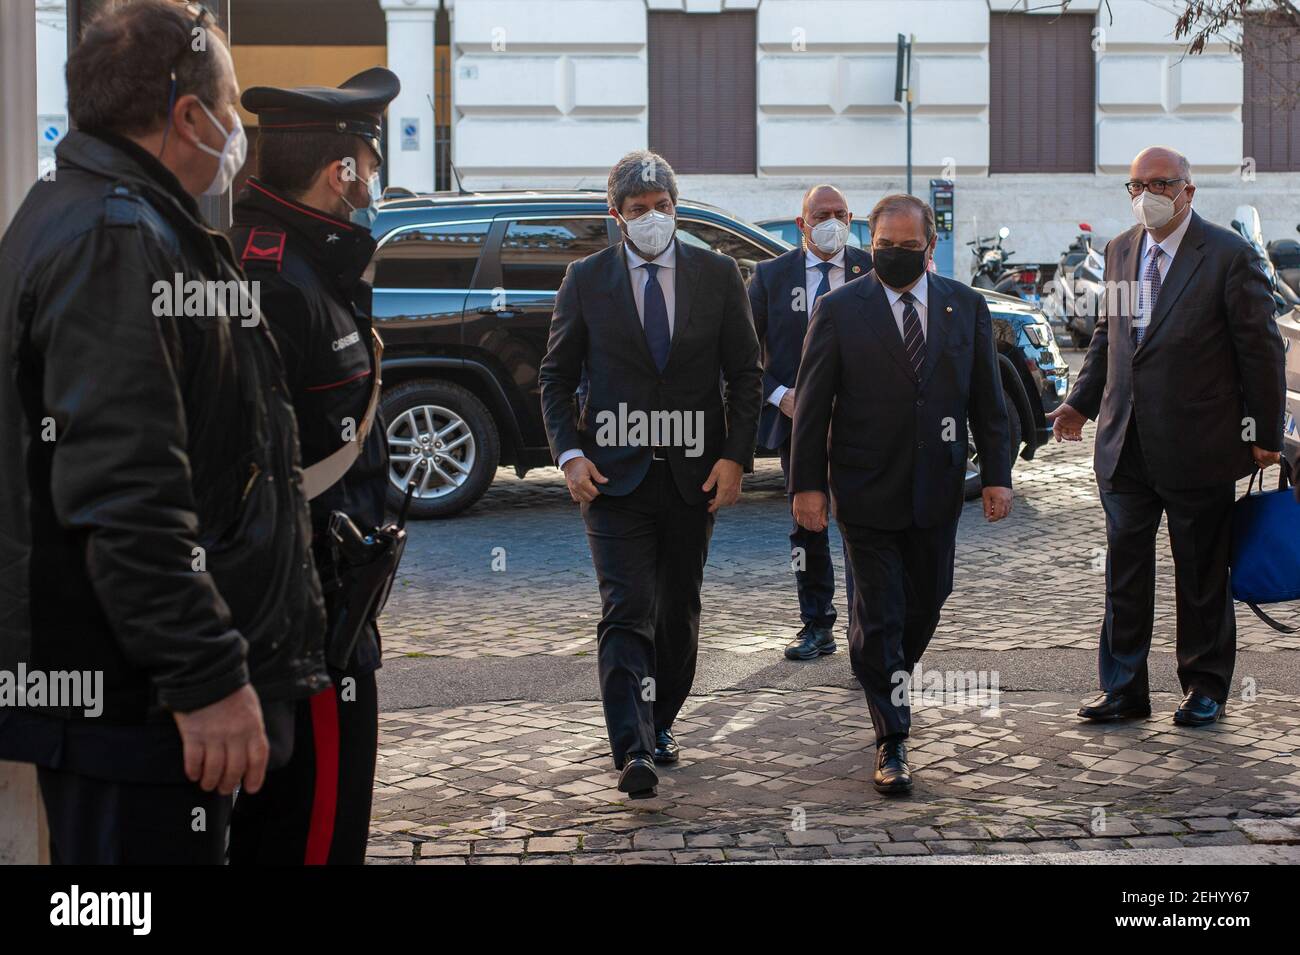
pixel 1067 423
pixel 725 476
pixel 787 403
pixel 225 742
pixel 582 476
pixel 997 503
pixel 810 510
pixel 1264 458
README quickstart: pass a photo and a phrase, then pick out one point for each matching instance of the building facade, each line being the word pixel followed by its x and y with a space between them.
pixel 1032 112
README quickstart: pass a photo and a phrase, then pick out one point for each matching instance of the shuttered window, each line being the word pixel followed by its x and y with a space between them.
pixel 1270 113
pixel 703 102
pixel 1042 93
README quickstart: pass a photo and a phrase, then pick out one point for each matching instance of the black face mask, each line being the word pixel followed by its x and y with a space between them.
pixel 898 267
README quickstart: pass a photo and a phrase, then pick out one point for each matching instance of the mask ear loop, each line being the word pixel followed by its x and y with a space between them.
pixel 171 103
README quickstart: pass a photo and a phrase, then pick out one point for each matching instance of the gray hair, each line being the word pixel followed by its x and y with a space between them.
pixel 901 202
pixel 637 173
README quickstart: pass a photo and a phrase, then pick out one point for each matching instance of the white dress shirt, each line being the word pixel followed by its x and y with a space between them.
pixel 666 276
pixel 919 291
pixel 667 262
pixel 1169 246
pixel 812 282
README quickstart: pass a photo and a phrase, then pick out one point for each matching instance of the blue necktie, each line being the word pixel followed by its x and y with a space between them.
pixel 655 309
pixel 825 285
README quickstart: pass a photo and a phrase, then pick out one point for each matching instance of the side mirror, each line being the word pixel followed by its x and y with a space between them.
pixel 1003 232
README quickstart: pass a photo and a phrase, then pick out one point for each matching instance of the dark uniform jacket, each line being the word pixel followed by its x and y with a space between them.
pixel 309 265
pixel 170 432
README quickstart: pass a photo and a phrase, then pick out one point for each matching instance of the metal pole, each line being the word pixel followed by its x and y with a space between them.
pixel 910 40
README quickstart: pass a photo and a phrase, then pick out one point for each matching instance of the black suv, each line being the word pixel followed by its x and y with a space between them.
pixel 464 286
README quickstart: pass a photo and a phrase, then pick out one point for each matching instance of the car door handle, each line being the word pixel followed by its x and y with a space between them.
pixel 501 312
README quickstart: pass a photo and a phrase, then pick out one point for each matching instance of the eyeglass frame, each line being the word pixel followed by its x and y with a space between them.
pixel 1146 186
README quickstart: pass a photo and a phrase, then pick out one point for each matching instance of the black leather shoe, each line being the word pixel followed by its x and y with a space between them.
pixel 1113 706
pixel 893 775
pixel 638 778
pixel 810 643
pixel 666 748
pixel 1199 710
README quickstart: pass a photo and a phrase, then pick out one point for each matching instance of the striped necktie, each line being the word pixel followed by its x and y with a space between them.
pixel 913 337
pixel 1148 294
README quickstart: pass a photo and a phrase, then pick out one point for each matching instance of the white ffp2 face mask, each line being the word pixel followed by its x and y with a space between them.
pixel 652 231
pixel 830 236
pixel 1154 211
pixel 230 159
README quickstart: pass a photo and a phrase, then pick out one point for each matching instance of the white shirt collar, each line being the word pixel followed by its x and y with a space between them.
pixel 918 291
pixel 811 260
pixel 667 258
pixel 1169 245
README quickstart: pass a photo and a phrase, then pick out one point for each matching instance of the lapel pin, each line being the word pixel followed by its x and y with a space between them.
pixel 857 269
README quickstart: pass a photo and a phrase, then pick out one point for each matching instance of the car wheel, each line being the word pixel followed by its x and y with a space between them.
pixel 441 435
pixel 973 484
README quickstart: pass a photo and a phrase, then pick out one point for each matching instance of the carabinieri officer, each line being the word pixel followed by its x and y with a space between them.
pixel 302 229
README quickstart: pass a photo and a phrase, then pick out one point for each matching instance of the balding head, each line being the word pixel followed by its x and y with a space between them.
pixel 821 196
pixel 1160 162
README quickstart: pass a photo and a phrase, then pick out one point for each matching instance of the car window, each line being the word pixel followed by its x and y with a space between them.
pixel 430 257
pixel 746 252
pixel 536 252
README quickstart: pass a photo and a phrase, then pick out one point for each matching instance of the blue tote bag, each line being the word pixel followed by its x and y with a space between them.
pixel 1266 547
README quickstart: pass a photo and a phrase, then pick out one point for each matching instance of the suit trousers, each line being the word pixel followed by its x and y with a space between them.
pixel 111 822
pixel 902 579
pixel 816 582
pixel 1200 537
pixel 649 548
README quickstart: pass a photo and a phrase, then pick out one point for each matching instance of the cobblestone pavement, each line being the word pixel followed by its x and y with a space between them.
pixel 784 773
pixel 778 775
pixel 1033 580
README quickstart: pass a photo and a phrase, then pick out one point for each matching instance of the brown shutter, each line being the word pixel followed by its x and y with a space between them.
pixel 1270 108
pixel 1042 93
pixel 703 90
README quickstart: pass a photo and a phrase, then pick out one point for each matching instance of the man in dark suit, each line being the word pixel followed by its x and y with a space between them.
pixel 782 293
pixel 894 365
pixel 656 447
pixel 1184 377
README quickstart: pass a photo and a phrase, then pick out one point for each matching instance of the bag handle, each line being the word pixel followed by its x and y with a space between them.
pixel 1280 628
pixel 1284 478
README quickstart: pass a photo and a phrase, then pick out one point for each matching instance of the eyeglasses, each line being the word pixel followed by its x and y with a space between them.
pixel 1157 186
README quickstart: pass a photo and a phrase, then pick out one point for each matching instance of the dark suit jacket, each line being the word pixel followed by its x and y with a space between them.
pixel 596 326
pixel 781 328
pixel 1212 356
pixel 897 446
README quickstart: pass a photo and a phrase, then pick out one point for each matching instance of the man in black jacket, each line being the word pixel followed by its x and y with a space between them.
pixel 293 234
pixel 894 365
pixel 655 448
pixel 1185 378
pixel 782 294
pixel 152 524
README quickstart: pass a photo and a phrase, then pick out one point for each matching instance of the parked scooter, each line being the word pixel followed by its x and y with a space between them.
pixel 992 271
pixel 1246 222
pixel 1285 256
pixel 1074 294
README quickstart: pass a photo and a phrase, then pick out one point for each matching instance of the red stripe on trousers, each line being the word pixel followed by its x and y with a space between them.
pixel 325 800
